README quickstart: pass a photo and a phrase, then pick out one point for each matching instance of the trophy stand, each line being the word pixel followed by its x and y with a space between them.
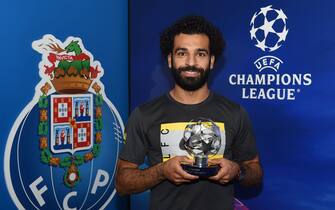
pixel 201 168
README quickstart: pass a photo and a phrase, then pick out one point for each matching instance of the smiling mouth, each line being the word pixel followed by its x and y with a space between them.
pixel 190 73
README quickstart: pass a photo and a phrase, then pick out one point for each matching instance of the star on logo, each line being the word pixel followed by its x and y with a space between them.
pixel 264 10
pixel 261 45
pixel 267 27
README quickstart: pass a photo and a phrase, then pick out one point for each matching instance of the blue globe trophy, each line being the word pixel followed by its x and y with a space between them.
pixel 201 139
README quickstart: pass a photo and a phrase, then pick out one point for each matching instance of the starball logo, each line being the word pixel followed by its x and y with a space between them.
pixel 268 32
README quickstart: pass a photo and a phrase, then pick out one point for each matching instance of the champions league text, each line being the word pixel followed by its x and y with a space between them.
pixel 270 86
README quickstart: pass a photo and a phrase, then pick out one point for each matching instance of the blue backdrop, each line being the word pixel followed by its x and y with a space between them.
pixel 295 136
pixel 101 25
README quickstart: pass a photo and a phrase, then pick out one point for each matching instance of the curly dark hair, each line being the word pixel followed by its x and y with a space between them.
pixel 192 24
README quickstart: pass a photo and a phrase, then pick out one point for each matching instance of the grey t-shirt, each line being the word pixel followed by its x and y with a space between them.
pixel 154 130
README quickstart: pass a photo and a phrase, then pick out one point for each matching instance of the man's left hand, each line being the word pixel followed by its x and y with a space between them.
pixel 227 172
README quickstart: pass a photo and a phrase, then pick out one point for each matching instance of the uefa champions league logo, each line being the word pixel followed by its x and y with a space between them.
pixel 268 32
pixel 268 28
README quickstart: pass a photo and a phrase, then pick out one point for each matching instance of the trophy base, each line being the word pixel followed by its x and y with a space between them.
pixel 203 172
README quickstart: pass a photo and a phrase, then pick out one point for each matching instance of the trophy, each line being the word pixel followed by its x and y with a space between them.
pixel 201 139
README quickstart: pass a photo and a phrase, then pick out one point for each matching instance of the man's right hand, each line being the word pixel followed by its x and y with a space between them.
pixel 173 171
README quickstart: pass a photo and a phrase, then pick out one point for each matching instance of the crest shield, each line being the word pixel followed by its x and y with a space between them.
pixel 71 126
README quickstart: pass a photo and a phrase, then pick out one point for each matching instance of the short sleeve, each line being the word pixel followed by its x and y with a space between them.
pixel 244 146
pixel 135 148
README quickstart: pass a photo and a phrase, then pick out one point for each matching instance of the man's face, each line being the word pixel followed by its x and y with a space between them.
pixel 190 61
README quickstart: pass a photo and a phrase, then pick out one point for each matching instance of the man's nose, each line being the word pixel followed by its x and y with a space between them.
pixel 191 61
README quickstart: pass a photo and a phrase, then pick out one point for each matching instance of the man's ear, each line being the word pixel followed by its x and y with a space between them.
pixel 169 59
pixel 211 65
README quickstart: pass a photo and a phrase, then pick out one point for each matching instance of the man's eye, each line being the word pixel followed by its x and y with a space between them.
pixel 201 54
pixel 181 53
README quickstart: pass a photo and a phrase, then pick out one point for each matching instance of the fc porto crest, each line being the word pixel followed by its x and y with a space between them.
pixel 62 149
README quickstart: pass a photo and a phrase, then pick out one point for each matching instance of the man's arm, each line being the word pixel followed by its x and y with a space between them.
pixel 253 173
pixel 131 179
pixel 250 170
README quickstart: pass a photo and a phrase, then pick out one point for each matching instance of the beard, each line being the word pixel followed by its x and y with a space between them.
pixel 190 83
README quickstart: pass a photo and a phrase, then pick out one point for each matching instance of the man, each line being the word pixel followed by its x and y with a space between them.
pixel 191 46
